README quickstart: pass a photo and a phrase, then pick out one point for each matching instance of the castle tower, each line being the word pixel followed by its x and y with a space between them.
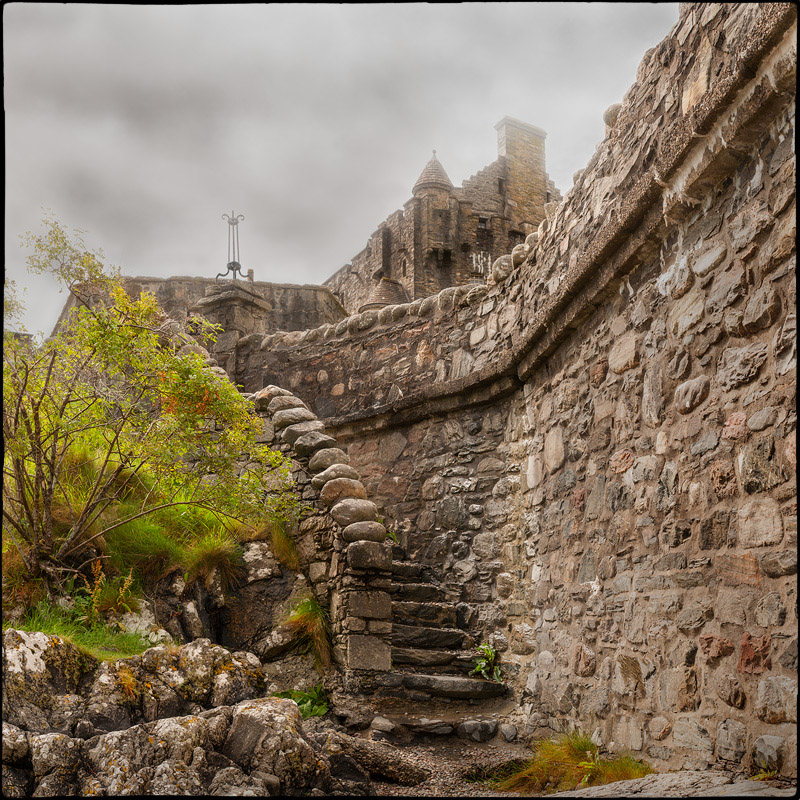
pixel 522 146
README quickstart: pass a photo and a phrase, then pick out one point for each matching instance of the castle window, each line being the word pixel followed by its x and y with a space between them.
pixel 483 223
pixel 403 267
pixel 501 185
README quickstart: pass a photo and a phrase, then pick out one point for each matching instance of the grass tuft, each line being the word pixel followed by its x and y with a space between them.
pixel 216 551
pixel 283 546
pixel 309 622
pixel 568 761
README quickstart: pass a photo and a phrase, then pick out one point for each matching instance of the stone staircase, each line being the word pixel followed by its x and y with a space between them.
pixel 432 649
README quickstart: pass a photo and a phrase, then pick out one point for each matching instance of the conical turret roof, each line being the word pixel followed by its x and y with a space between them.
pixel 433 176
pixel 387 293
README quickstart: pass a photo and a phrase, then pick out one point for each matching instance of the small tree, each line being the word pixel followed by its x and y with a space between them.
pixel 111 382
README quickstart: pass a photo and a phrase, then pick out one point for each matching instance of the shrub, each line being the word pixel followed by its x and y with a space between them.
pixel 309 622
pixel 570 760
pixel 147 547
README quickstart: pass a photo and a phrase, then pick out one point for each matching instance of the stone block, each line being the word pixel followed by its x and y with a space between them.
pixel 368 652
pixel 364 531
pixel 477 730
pixel 282 402
pixel 768 752
pixel 341 488
pixel 689 394
pixel 351 510
pixel 368 555
pixel 291 416
pixel 334 471
pixel 754 654
pixel 310 442
pixel 776 700
pixel 731 739
pixel 714 646
pixel 554 449
pixel 686 313
pixel 689 733
pixel 740 365
pixel 760 523
pixel 624 354
pixel 292 433
pixel 369 605
pixel 729 690
pixel 327 457
pixel 770 612
pixel 775 565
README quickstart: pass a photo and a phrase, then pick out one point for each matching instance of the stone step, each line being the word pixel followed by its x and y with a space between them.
pixel 430 614
pixel 453 686
pixel 444 661
pixel 417 636
pixel 419 592
pixel 411 572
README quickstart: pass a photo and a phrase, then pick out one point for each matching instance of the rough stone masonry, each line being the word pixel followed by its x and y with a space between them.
pixel 597 448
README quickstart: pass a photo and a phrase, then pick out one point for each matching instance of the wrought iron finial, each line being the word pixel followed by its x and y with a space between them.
pixel 233 246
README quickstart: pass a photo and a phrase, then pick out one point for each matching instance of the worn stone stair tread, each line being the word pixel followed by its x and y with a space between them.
pixel 431 658
pixel 453 686
pixel 428 614
pixel 419 591
pixel 428 638
pixel 411 571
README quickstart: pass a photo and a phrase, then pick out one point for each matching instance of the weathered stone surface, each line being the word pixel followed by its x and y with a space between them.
pixel 368 555
pixel 760 523
pixel 691 734
pixel 776 700
pixel 759 470
pixel 754 654
pixel 292 433
pixel 369 652
pixel 694 617
pixel 312 441
pixel 554 449
pixel 740 365
pixel 291 416
pixel 768 752
pixel 714 646
pixel 770 612
pixel 625 354
pixel 364 531
pixel 731 740
pixel 334 471
pixel 369 605
pixel 327 457
pixel 659 728
pixel 282 402
pixel 686 783
pixel 709 258
pixel 727 288
pixel 729 690
pixel 778 564
pixel 351 510
pixel 686 313
pixel 339 488
pixel 690 394
pixel 762 309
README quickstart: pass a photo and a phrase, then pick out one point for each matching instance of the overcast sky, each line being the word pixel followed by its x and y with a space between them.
pixel 143 124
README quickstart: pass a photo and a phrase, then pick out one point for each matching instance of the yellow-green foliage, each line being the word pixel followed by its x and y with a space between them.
pixel 215 551
pixel 568 761
pixel 310 622
pixel 283 546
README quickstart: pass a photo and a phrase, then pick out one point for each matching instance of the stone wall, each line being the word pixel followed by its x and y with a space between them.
pixel 284 306
pixel 598 449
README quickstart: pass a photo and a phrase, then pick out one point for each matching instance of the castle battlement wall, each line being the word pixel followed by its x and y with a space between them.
pixel 597 451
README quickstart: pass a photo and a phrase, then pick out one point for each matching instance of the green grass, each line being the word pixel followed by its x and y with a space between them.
pixel 99 640
pixel 310 622
pixel 283 546
pixel 215 551
pixel 570 760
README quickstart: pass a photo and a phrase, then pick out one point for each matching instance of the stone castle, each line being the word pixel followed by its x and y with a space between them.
pixel 587 451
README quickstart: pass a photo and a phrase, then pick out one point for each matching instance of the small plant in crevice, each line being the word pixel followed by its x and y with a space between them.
pixel 390 534
pixel 309 621
pixel 313 703
pixel 282 545
pixel 486 664
pixel 765 773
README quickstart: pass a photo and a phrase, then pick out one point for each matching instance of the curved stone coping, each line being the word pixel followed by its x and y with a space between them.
pixel 632 225
pixel 337 483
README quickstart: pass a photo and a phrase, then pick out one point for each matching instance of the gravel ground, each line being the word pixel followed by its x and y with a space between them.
pixel 447 760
